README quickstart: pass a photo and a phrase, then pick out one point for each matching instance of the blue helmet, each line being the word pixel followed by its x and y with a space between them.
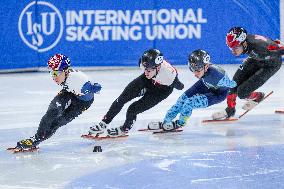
pixel 151 58
pixel 197 60
pixel 58 62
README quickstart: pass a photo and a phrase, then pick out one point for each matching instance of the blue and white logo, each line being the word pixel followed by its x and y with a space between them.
pixel 40 26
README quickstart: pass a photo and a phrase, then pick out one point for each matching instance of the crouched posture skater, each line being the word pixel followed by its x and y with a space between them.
pixel 263 61
pixel 76 96
pixel 154 85
pixel 211 88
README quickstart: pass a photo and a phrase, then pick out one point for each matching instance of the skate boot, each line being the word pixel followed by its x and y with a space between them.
pixel 227 113
pixel 155 125
pixel 254 99
pixel 98 129
pixel 171 126
pixel 116 132
pixel 27 143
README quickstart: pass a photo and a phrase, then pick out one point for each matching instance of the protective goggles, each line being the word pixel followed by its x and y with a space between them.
pixel 194 68
pixel 55 73
pixel 143 67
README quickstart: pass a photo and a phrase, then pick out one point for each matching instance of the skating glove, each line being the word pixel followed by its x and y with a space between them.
pixel 96 88
pixel 279 48
pixel 177 84
pixel 90 88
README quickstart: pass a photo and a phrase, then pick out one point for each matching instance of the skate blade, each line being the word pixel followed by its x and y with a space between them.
pixel 18 150
pixel 146 129
pixel 163 131
pixel 231 119
pixel 91 137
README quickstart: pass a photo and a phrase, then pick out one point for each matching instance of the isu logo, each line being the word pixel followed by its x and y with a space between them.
pixel 40 26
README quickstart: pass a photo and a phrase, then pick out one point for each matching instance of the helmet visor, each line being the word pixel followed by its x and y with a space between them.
pixel 148 69
pixel 146 65
pixel 195 68
pixel 55 73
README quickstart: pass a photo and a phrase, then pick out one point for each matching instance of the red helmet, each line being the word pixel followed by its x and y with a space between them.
pixel 235 37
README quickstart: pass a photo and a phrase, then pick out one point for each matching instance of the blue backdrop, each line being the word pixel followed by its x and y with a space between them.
pixel 112 33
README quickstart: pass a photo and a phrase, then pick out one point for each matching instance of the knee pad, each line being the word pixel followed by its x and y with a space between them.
pixel 132 111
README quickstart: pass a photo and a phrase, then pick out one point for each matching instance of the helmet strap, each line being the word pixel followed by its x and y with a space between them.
pixel 66 72
pixel 205 67
pixel 157 70
pixel 245 47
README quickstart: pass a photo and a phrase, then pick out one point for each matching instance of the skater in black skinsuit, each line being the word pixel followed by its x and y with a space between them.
pixel 76 96
pixel 263 61
pixel 154 85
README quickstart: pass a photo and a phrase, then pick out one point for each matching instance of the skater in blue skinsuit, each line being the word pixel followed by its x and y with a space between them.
pixel 211 88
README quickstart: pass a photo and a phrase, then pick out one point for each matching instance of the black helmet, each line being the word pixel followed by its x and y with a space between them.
pixel 151 58
pixel 235 37
pixel 197 60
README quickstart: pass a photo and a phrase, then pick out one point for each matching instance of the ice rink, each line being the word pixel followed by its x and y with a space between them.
pixel 248 153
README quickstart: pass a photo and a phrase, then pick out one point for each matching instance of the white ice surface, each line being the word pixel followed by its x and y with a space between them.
pixel 65 157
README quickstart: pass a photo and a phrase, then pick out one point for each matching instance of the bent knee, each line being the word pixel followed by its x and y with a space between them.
pixel 243 94
pixel 132 111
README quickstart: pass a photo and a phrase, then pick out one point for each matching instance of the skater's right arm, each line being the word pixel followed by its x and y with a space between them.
pixel 263 48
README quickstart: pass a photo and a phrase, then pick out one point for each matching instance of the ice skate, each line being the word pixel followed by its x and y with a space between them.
pixel 98 129
pixel 155 125
pixel 171 126
pixel 116 132
pixel 220 115
pixel 225 114
pixel 253 100
pixel 27 143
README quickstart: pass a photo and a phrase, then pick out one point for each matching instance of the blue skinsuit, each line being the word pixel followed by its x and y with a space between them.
pixel 211 89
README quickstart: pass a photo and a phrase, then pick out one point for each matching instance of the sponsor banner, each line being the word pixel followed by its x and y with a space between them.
pixel 111 33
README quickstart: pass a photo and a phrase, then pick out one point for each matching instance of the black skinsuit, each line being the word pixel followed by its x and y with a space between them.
pixel 258 67
pixel 151 94
pixel 63 109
